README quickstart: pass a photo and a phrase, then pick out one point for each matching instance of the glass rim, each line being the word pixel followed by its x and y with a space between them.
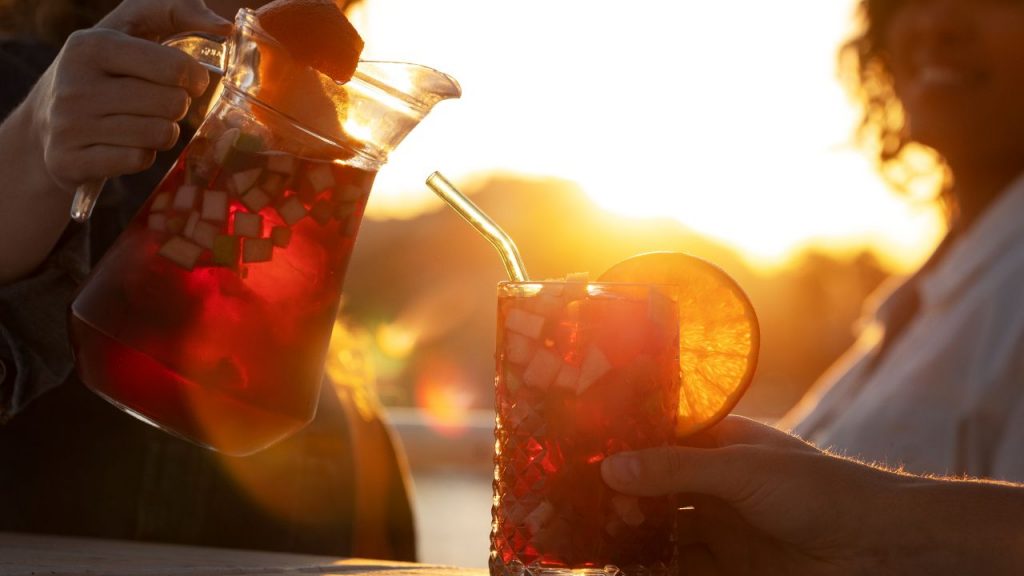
pixel 516 283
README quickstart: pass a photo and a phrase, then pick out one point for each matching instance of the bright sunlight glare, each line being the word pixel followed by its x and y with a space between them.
pixel 726 116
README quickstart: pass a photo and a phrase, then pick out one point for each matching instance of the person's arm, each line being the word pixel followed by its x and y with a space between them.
pixel 107 103
pixel 768 503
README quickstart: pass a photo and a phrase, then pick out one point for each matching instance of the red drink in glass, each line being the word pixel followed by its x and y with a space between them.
pixel 211 315
pixel 583 371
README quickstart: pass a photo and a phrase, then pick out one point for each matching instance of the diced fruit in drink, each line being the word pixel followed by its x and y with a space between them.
pixel 568 378
pixel 345 209
pixel 225 250
pixel 542 369
pixel 321 211
pixel 181 252
pixel 175 224
pixel 291 210
pixel 281 236
pixel 628 509
pixel 316 33
pixel 257 249
pixel 215 206
pixel 242 181
pixel 350 193
pixel 256 199
pixel 185 197
pixel 222 149
pixel 160 202
pixel 158 222
pixel 190 224
pixel 525 323
pixel 320 177
pixel 540 516
pixel 205 233
pixel 518 348
pixel 595 365
pixel 274 184
pixel 248 225
pixel 282 164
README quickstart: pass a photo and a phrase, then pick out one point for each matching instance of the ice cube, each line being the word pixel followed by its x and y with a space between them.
pixel 628 508
pixel 525 323
pixel 215 206
pixel 222 148
pixel 518 348
pixel 256 199
pixel 190 224
pixel 542 369
pixel 595 365
pixel 185 197
pixel 181 252
pixel 292 210
pixel 248 225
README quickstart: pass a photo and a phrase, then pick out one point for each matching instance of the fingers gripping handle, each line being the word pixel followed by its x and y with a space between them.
pixel 209 50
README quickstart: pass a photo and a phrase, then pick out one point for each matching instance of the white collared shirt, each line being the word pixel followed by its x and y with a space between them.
pixel 948 395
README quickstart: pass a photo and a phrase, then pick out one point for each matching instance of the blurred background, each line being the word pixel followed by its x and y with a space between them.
pixel 593 130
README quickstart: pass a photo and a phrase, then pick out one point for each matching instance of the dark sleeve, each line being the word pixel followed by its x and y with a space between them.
pixel 35 355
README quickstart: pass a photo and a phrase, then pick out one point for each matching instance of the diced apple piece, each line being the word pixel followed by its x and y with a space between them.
pixel 281 236
pixel 215 205
pixel 157 222
pixel 540 516
pixel 205 233
pixel 257 249
pixel 190 224
pixel 248 225
pixel 281 163
pixel 291 210
pixel 512 382
pixel 525 323
pixel 225 250
pixel 568 378
pixel 344 209
pixel 185 197
pixel 518 348
pixel 160 202
pixel 181 252
pixel 321 177
pixel 543 368
pixel 274 184
pixel 175 224
pixel 595 365
pixel 222 148
pixel 350 193
pixel 256 199
pixel 321 212
pixel 628 508
pixel 243 180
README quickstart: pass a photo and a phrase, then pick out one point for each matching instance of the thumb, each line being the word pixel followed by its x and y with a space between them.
pixel 158 19
pixel 722 472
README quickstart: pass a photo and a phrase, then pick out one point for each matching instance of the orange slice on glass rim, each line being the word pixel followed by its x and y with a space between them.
pixel 719 335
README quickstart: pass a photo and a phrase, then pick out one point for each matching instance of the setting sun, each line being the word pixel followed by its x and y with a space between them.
pixel 727 117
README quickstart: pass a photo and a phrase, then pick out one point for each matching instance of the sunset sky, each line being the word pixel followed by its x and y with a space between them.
pixel 724 115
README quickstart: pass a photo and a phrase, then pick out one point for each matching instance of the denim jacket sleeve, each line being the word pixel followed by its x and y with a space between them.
pixel 35 354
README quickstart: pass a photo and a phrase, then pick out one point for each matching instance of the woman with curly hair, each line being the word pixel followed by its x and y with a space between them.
pixel 88 93
pixel 932 393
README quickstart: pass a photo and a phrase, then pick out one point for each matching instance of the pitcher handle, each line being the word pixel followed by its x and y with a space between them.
pixel 210 51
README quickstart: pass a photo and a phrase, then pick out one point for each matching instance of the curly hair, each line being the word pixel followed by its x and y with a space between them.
pixel 864 71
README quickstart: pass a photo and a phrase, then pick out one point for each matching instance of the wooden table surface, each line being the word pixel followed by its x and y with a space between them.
pixel 37 555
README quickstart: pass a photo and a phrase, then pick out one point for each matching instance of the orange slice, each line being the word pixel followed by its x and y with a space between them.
pixel 316 33
pixel 719 335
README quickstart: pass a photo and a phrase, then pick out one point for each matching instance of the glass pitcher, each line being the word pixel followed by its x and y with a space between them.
pixel 211 315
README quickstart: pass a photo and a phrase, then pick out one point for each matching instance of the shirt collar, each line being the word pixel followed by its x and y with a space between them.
pixel 998 228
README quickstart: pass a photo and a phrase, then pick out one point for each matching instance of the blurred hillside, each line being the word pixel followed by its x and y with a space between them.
pixel 425 290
